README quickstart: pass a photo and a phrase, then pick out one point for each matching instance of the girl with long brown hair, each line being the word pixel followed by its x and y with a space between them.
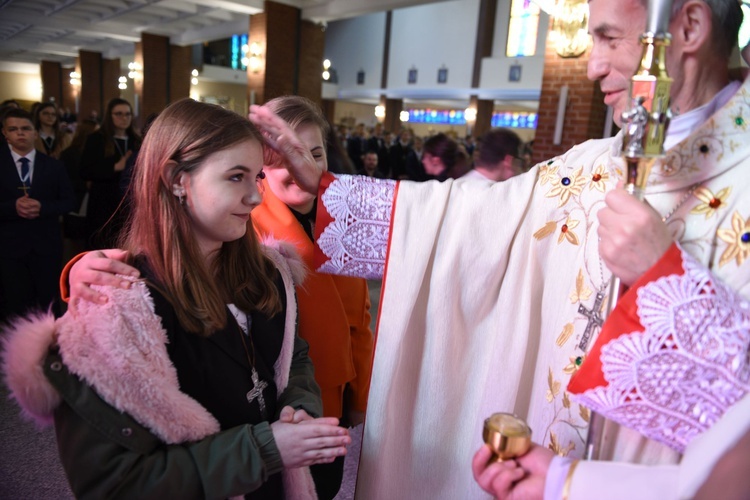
pixel 190 382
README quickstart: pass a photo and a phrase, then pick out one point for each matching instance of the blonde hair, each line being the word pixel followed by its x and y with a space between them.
pixel 160 229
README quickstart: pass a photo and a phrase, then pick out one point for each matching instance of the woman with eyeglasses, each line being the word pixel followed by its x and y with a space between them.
pixel 104 158
pixel 51 138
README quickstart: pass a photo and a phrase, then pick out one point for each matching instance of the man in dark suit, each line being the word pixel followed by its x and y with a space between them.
pixel 34 192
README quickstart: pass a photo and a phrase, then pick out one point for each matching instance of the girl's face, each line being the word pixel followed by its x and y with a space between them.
pixel 281 182
pixel 48 116
pixel 121 117
pixel 221 193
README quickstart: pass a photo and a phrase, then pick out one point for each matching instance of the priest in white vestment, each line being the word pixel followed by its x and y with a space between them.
pixel 489 288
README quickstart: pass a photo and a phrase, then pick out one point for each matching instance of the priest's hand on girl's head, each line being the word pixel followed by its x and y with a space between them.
pixel 632 236
pixel 288 150
pixel 310 442
pixel 522 478
pixel 100 267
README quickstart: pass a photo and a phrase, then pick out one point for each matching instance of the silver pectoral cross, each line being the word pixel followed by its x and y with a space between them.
pixel 257 391
pixel 595 319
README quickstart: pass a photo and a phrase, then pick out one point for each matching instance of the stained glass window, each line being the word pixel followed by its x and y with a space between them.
pixel 523 28
pixel 456 117
pixel 745 28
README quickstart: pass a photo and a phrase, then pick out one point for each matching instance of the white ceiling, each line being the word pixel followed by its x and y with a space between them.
pixel 55 30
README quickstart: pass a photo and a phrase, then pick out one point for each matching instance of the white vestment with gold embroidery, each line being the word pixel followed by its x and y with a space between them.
pixel 482 287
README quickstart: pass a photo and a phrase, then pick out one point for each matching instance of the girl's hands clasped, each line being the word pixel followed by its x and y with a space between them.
pixel 303 440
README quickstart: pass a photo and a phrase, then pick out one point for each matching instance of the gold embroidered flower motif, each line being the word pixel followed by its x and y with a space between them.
pixel 556 447
pixel 737 239
pixel 599 178
pixel 567 331
pixel 567 186
pixel 553 387
pixel 566 400
pixel 574 365
pixel 566 231
pixel 710 202
pixel 582 292
pixel 546 174
pixel 584 412
pixel 546 230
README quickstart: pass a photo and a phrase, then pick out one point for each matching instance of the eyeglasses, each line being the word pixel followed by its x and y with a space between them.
pixel 122 114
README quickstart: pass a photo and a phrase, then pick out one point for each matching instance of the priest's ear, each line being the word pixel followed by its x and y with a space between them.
pixel 692 29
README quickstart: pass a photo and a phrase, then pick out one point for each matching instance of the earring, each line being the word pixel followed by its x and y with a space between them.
pixel 180 193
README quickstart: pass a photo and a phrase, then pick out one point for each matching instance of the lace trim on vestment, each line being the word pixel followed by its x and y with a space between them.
pixel 674 380
pixel 356 242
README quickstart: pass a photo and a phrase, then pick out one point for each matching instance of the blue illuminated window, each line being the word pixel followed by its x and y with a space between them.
pixel 238 42
pixel 456 117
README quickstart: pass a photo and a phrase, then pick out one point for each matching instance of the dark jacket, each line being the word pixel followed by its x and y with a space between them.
pixel 137 427
pixel 51 187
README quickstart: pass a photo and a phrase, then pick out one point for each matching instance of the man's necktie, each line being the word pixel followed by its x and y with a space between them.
pixel 25 172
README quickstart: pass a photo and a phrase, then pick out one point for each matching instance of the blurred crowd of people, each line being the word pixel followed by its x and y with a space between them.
pixel 373 151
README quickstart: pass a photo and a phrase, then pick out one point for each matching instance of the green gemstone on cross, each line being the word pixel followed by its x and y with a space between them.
pixel 739 121
pixel 579 360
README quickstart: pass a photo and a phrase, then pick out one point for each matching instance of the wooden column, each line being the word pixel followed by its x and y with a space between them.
pixel 585 111
pixel 69 93
pixel 484 109
pixel 311 45
pixel 110 76
pixel 155 89
pixel 482 49
pixel 90 96
pixel 291 55
pixel 180 66
pixel 392 121
pixel 52 78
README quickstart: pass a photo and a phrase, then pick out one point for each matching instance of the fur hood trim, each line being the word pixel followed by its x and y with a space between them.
pixel 286 259
pixel 25 345
pixel 290 259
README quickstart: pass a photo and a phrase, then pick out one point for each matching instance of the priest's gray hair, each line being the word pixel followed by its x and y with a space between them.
pixel 726 19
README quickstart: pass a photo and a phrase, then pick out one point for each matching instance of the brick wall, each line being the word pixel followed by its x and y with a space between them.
pixel 585 112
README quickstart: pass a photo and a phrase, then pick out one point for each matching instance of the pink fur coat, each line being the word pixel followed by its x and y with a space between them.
pixel 119 349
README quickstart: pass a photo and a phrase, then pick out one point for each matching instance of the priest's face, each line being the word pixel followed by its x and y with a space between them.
pixel 616 27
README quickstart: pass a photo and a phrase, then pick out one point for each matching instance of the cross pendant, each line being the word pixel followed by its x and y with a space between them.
pixel 257 391
pixel 595 319
pixel 25 189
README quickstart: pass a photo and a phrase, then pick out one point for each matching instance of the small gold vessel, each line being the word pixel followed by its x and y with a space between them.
pixel 508 435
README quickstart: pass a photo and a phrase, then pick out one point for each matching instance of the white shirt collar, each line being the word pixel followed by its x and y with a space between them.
pixel 683 125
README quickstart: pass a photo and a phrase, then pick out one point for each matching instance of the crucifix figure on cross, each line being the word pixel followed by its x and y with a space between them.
pixel 594 317
pixel 257 391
